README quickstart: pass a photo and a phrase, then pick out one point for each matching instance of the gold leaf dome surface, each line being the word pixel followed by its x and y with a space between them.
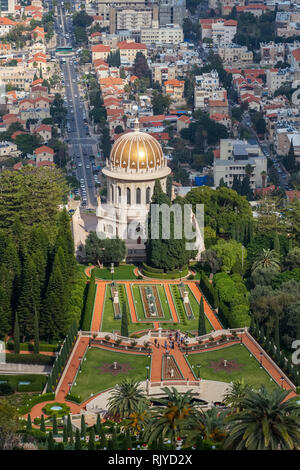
pixel 136 151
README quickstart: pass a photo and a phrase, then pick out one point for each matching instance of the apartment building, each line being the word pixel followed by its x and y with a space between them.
pixel 132 19
pixel 207 87
pixel 235 54
pixel 171 12
pixel 103 6
pixel 20 76
pixel 129 50
pixel 100 51
pixel 235 155
pixel 172 34
pixel 220 31
pixel 276 78
pixel 175 90
pixel 271 53
pixel 163 72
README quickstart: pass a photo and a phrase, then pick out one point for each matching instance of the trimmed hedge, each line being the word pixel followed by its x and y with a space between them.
pixel 73 398
pixel 89 306
pixel 35 400
pixel 38 359
pixel 167 275
pixel 30 347
pixel 208 290
pixel 150 269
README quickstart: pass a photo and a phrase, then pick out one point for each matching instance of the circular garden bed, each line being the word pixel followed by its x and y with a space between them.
pixel 58 409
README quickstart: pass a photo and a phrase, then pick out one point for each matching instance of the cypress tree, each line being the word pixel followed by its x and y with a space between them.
pixel 290 244
pixel 16 335
pixel 65 434
pixel 83 426
pixel 28 424
pixel 42 425
pixel 124 321
pixel 78 445
pixel 201 323
pixel 91 445
pixel 276 244
pixel 36 334
pixel 103 440
pixel 262 336
pixel 50 441
pixel 127 442
pixel 30 299
pixel 54 425
pixel 252 325
pixel 99 427
pixel 114 439
pixel 250 231
pixel 6 291
pixel 69 426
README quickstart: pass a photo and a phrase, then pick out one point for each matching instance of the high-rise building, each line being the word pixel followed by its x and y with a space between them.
pixel 172 12
pixel 7 6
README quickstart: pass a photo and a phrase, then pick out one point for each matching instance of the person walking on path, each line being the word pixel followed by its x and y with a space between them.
pixel 166 344
pixel 155 342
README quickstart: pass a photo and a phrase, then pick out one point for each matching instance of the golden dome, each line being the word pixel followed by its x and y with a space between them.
pixel 136 150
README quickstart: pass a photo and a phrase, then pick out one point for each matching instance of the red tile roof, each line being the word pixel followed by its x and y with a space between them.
pixel 45 149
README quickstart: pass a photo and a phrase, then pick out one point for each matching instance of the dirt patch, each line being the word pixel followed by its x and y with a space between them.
pixel 120 369
pixel 219 366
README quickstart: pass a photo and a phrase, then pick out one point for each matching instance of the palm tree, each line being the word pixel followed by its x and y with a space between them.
pixel 266 422
pixel 126 398
pixel 173 418
pixel 268 259
pixel 210 425
pixel 235 394
pixel 138 419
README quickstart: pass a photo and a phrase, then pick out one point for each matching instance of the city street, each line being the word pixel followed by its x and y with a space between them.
pixel 81 146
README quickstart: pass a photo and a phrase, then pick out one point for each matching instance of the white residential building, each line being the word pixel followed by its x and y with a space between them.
pixel 235 155
pixel 172 34
pixel 207 87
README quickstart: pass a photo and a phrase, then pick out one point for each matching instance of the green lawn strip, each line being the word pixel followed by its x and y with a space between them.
pixel 121 273
pixel 195 307
pixel 249 370
pixel 164 302
pixel 138 303
pixel 109 323
pixel 93 380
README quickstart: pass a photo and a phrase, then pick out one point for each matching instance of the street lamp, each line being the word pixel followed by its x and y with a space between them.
pixel 198 367
pixel 260 355
pixel 147 367
pixel 282 379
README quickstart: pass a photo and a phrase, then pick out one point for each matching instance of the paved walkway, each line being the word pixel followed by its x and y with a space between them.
pixel 207 308
pixel 98 306
pixel 156 364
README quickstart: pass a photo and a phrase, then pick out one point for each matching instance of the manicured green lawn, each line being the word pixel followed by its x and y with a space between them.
pixel 191 325
pixel 108 321
pixel 249 369
pixel 164 302
pixel 93 380
pixel 139 303
pixel 195 308
pixel 122 272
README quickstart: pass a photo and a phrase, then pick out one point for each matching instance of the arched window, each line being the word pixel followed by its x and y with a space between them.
pixel 148 192
pixel 128 196
pixel 112 193
pixel 119 194
pixel 138 195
